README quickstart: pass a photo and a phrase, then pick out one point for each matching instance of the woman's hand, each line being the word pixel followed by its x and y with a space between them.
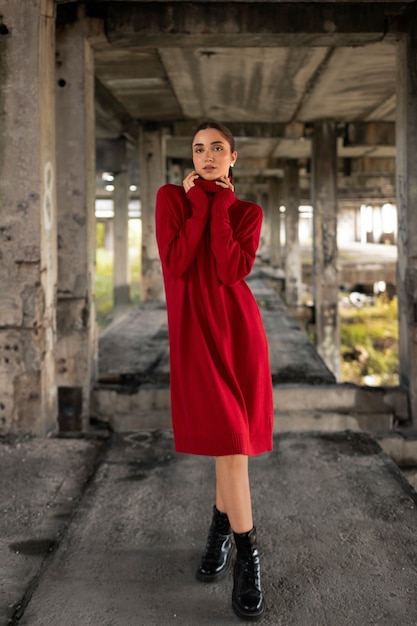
pixel 188 181
pixel 225 182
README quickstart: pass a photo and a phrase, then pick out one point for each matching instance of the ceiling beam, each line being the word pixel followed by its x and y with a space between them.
pixel 353 133
pixel 369 134
pixel 240 24
pixel 255 130
pixel 112 119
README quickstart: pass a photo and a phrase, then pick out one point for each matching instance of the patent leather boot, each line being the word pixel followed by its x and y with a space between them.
pixel 216 558
pixel 247 598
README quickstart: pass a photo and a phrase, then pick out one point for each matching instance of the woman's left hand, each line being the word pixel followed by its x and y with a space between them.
pixel 225 182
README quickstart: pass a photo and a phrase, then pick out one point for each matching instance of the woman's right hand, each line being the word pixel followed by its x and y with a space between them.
pixel 188 181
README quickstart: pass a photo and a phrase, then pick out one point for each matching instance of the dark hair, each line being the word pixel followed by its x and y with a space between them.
pixel 227 134
pixel 221 128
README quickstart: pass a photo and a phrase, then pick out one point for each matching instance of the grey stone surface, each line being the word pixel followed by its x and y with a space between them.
pixel 336 522
pixel 134 349
pixel 41 481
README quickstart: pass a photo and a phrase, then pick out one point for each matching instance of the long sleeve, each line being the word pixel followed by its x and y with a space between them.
pixel 234 250
pixel 178 234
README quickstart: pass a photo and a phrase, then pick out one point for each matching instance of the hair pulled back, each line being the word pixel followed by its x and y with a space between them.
pixel 221 128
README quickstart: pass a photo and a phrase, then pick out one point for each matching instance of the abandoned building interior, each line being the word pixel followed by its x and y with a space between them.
pixel 321 97
pixel 102 519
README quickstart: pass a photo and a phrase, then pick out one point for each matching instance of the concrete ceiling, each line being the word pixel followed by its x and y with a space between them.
pixel 267 69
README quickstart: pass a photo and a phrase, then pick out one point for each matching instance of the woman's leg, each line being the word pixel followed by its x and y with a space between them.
pixel 216 558
pixel 234 499
pixel 233 511
pixel 233 491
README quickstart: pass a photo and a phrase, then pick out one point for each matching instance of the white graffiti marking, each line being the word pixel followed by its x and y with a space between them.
pixel 48 206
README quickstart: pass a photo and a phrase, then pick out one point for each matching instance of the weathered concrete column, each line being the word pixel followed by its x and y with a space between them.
pixel 76 354
pixel 275 194
pixel 265 243
pixel 293 285
pixel 152 176
pixel 406 130
pixel 121 289
pixel 175 174
pixel 28 398
pixel 325 275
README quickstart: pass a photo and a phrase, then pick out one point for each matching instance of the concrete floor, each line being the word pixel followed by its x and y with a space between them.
pixel 337 526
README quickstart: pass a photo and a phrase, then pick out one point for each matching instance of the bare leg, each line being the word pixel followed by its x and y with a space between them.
pixel 233 491
pixel 233 498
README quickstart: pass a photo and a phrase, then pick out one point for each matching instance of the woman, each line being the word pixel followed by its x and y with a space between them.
pixel 221 391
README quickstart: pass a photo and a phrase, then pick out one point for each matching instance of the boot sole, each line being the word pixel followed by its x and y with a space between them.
pixel 249 617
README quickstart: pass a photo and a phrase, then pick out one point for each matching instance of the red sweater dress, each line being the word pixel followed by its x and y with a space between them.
pixel 221 388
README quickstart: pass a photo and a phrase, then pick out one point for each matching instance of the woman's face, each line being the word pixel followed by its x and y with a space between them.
pixel 212 155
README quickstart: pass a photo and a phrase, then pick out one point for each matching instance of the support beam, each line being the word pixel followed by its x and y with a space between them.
pixel 275 193
pixel 293 283
pixel 406 204
pixel 265 242
pixel 112 120
pixel 152 176
pixel 325 275
pixel 121 289
pixel 28 225
pixel 111 155
pixel 76 354
pixel 254 130
pixel 240 24
pixel 369 134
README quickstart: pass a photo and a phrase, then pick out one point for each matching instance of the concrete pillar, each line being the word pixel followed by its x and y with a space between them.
pixel 152 176
pixel 28 240
pixel 175 174
pixel 121 289
pixel 265 243
pixel 406 131
pixel 109 235
pixel 325 275
pixel 275 193
pixel 293 284
pixel 76 354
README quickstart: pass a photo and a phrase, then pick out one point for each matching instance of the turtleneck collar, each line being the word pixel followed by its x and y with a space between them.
pixel 209 186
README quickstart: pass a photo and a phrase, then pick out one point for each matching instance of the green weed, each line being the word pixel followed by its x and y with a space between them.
pixel 369 343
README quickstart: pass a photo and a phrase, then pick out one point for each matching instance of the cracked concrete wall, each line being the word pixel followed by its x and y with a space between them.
pixel 325 269
pixel 76 351
pixel 28 261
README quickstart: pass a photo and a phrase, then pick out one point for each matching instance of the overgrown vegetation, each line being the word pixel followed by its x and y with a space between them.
pixel 369 343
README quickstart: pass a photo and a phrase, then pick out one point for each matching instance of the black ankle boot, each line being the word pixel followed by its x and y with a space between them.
pixel 247 598
pixel 216 558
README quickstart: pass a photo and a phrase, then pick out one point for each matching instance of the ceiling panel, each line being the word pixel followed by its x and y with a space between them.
pixel 138 81
pixel 245 84
pixel 354 84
